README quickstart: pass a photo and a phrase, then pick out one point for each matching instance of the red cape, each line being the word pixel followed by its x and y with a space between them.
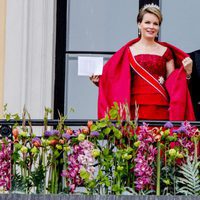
pixel 115 83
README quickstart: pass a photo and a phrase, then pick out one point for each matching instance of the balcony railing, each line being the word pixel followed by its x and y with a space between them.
pixel 6 125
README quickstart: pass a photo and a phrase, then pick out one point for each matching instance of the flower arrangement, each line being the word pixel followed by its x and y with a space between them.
pixel 5 164
pixel 110 156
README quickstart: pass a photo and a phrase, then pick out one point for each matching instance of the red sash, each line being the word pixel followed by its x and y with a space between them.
pixel 147 76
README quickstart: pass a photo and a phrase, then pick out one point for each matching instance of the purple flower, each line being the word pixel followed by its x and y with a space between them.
pixel 76 133
pixel 175 131
pixel 189 145
pixel 36 142
pixel 168 125
pixel 191 130
pixel 78 180
pixel 145 157
pixel 5 165
pixel 140 158
pixel 72 173
pixel 51 133
pixel 80 157
pixel 36 139
pixel 47 133
pixel 143 169
pixel 152 153
pixel 142 182
pixel 72 159
pixel 64 173
pixel 146 137
pixel 66 136
pixel 182 129
pixel 86 145
pixel 94 134
pixel 77 149
pixel 72 187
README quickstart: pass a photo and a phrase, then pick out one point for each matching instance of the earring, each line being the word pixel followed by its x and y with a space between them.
pixel 156 38
pixel 139 32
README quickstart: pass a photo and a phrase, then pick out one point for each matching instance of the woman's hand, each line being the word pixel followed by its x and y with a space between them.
pixel 95 79
pixel 187 63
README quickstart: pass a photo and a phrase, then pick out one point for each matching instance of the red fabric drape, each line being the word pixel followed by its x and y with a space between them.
pixel 114 84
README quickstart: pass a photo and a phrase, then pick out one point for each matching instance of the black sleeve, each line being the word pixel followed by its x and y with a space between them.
pixel 194 83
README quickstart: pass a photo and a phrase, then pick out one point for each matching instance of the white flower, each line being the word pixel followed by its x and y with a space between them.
pixel 161 80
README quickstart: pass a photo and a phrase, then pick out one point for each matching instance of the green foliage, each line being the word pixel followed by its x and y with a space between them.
pixel 37 168
pixel 19 183
pixel 188 182
pixel 168 180
pixel 8 116
pixel 116 154
pixel 38 178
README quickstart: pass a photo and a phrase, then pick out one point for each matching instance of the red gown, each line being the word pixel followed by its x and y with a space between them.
pixel 152 105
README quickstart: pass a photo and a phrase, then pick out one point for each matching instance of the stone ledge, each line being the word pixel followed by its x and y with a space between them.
pixel 91 197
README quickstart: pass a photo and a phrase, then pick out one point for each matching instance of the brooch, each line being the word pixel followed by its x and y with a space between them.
pixel 161 80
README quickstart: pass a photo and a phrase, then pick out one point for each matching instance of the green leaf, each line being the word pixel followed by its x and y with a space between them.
pixel 117 189
pixel 15 156
pixel 116 106
pixel 107 182
pixel 56 153
pixel 102 124
pixel 7 116
pixel 106 130
pixel 16 117
pixel 106 152
pixel 38 178
pixel 113 114
pixel 188 182
pixel 84 174
pixel 93 127
pixel 91 184
pixel 171 138
pixel 100 174
pixel 117 133
pixel 101 136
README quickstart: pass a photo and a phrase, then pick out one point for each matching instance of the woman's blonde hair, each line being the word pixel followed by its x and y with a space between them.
pixel 149 8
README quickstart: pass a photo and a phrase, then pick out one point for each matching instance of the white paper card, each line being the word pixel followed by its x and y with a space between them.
pixel 88 66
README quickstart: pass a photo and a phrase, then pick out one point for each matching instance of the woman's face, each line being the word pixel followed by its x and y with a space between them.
pixel 149 26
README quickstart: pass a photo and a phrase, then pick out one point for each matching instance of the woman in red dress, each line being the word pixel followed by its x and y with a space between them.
pixel 147 73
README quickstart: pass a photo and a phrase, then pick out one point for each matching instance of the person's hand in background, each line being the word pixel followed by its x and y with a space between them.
pixel 95 79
